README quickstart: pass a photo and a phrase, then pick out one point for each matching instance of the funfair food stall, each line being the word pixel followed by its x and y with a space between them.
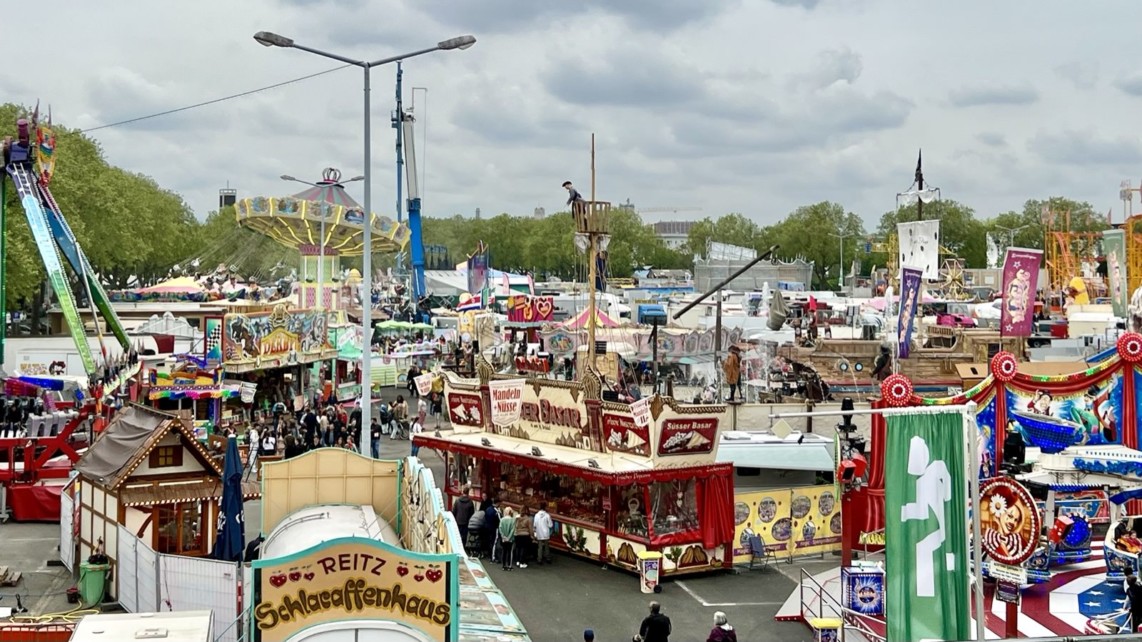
pixel 618 479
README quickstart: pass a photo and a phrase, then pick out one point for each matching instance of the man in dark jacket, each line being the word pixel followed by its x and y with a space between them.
pixel 491 526
pixel 656 626
pixel 462 510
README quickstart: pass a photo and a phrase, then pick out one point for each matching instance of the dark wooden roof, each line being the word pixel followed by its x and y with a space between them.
pixel 130 437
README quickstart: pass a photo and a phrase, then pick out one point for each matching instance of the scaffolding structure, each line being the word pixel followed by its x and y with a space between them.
pixel 1064 250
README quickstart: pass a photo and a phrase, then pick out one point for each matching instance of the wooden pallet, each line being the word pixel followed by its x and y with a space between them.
pixel 9 578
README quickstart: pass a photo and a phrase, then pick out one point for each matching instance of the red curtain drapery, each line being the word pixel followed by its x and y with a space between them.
pixel 716 508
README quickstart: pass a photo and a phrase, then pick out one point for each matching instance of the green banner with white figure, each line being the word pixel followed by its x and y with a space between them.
pixel 927 544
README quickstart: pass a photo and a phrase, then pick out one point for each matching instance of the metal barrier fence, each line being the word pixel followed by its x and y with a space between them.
pixel 67 543
pixel 147 581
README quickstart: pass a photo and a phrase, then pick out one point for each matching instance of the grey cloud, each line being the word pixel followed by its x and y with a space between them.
pixel 1130 85
pixel 505 16
pixel 833 66
pixel 1086 148
pixel 118 94
pixel 1080 74
pixel 804 4
pixel 991 139
pixel 825 119
pixel 634 76
pixel 993 95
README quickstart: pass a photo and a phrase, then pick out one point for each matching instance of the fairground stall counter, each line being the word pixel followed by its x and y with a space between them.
pixel 618 479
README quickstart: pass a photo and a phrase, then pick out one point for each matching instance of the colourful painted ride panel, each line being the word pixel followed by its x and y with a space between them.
pixel 37 221
pixel 79 263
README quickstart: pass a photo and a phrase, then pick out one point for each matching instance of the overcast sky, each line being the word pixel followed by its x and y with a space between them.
pixel 753 106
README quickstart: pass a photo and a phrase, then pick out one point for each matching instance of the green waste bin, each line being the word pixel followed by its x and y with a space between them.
pixel 92 581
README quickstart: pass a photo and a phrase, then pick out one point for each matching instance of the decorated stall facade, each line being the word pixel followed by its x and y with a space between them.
pixel 1095 406
pixel 619 479
pixel 275 338
pixel 415 552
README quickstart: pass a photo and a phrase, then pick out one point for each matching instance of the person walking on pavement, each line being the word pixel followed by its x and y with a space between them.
pixel 507 538
pixel 1134 593
pixel 463 509
pixel 523 529
pixel 732 368
pixel 491 528
pixel 541 531
pixel 722 631
pixel 655 627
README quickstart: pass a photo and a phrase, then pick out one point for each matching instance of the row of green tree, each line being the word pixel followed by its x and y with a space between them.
pixel 819 233
pixel 135 232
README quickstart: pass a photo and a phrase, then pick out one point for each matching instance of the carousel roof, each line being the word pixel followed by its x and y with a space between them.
pixel 602 320
pixel 295 222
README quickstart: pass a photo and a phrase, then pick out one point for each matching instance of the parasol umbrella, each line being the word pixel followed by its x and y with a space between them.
pixel 232 532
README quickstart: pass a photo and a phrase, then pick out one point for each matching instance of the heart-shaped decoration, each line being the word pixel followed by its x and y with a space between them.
pixel 309 577
pixel 418 578
pixel 295 576
pixel 434 574
pixel 402 570
pixel 544 306
pixel 278 580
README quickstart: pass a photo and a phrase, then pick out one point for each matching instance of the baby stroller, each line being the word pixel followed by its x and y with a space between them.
pixel 385 418
pixel 474 543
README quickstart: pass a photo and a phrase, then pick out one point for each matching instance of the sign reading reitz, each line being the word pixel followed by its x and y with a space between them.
pixel 356 579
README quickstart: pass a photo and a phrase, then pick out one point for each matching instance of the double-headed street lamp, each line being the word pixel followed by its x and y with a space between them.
pixel 268 39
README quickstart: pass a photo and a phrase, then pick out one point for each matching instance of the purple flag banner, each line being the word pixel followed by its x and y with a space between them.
pixel 1020 282
pixel 909 297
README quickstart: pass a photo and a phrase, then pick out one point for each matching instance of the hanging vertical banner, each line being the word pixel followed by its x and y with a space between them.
pixel 926 532
pixel 909 297
pixel 507 400
pixel 478 269
pixel 1020 280
pixel 1114 245
pixel 919 243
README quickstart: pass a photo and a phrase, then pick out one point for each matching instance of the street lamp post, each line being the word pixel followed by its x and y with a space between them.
pixel 1011 232
pixel 321 236
pixel 841 268
pixel 269 39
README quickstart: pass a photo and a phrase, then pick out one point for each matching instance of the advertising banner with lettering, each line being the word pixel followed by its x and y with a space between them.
pixel 909 297
pixel 640 410
pixel 424 384
pixel 926 506
pixel 1020 281
pixel 1114 246
pixel 623 434
pixel 687 436
pixel 507 400
pixel 356 579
